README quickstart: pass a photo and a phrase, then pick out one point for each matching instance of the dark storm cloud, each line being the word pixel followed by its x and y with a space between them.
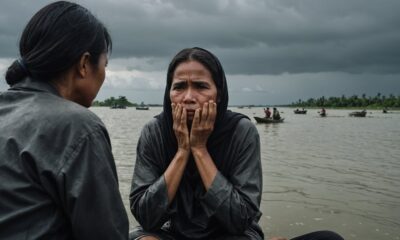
pixel 250 37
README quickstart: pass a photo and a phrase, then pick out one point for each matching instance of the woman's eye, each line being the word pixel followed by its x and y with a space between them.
pixel 202 86
pixel 178 86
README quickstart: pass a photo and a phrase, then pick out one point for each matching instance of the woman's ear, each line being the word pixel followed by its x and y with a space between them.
pixel 84 64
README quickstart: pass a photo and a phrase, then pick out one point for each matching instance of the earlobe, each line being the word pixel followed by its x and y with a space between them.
pixel 83 65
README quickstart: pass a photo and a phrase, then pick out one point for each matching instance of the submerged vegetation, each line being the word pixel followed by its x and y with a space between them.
pixel 112 101
pixel 378 101
pixel 121 101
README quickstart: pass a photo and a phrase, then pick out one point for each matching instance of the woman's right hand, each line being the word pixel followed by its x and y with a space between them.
pixel 180 127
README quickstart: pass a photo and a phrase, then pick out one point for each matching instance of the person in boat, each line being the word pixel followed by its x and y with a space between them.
pixel 267 112
pixel 58 178
pixel 323 112
pixel 275 114
pixel 198 171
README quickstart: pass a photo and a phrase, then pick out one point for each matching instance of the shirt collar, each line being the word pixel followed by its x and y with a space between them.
pixel 35 85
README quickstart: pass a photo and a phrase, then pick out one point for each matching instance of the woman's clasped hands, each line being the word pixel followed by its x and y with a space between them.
pixel 200 127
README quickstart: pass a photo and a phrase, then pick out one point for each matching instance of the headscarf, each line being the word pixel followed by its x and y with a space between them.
pixel 225 121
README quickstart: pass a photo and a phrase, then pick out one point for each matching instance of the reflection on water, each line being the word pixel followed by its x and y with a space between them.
pixel 339 173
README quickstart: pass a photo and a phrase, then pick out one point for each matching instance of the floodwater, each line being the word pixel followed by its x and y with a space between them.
pixel 336 173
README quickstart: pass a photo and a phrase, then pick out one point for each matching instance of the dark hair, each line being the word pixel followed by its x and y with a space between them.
pixel 55 39
pixel 211 62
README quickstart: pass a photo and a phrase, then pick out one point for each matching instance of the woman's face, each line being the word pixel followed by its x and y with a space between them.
pixel 192 86
pixel 94 79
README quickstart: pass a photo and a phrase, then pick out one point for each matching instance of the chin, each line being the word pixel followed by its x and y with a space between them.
pixel 85 104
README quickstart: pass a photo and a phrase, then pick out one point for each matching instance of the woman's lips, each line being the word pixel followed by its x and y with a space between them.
pixel 190 111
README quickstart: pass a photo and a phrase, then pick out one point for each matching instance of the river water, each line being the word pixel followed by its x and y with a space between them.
pixel 339 173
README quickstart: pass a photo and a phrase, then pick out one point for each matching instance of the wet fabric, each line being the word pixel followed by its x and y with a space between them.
pixel 229 207
pixel 58 178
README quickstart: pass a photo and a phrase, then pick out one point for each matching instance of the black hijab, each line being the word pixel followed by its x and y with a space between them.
pixel 226 120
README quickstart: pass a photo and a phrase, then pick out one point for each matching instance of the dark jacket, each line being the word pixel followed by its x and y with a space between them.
pixel 58 178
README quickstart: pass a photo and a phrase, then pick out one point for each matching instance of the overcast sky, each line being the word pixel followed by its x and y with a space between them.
pixel 273 51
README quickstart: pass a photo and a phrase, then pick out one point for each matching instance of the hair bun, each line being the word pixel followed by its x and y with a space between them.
pixel 16 72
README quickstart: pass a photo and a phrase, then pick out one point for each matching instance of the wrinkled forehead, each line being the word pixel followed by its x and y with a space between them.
pixel 191 67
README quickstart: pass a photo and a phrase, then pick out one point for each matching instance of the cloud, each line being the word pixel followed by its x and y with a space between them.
pixel 259 42
pixel 246 89
pixel 134 80
pixel 253 37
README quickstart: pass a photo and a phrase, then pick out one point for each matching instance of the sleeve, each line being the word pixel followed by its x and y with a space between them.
pixel 90 192
pixel 235 201
pixel 148 196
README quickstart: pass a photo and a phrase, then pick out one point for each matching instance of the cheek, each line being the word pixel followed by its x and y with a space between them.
pixel 103 75
pixel 174 97
pixel 214 96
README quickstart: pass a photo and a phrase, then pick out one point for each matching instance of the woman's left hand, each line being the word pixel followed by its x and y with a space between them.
pixel 203 125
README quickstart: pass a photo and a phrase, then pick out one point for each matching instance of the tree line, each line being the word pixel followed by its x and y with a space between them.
pixel 121 101
pixel 378 101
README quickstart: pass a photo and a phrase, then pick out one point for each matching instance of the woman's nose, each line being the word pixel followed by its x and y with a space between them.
pixel 189 96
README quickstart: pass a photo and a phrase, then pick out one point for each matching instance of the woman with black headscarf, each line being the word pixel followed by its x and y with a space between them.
pixel 198 171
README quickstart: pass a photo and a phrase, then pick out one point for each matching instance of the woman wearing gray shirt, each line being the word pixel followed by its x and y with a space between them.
pixel 57 173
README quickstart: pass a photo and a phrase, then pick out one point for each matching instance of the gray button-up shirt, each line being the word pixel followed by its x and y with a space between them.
pixel 58 178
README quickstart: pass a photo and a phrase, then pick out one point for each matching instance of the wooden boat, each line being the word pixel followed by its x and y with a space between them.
pixel 358 114
pixel 142 106
pixel 116 106
pixel 297 111
pixel 267 120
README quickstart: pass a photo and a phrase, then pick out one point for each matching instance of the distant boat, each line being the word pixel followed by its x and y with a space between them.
pixel 117 106
pixel 297 111
pixel 142 106
pixel 358 114
pixel 322 114
pixel 268 120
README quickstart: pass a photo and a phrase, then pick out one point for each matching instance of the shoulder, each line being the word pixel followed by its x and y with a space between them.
pixel 154 125
pixel 244 133
pixel 245 126
pixel 82 117
pixel 67 116
pixel 152 129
